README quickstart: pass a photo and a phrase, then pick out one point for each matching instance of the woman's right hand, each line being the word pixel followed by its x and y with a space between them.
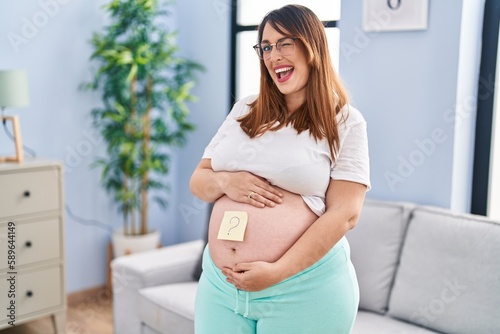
pixel 243 187
pixel 246 187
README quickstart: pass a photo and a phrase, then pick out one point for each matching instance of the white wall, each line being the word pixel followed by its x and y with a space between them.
pixel 49 38
pixel 466 103
pixel 204 28
pixel 414 87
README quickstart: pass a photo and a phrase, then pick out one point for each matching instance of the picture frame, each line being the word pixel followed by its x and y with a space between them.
pixel 395 15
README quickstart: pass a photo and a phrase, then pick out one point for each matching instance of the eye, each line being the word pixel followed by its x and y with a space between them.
pixel 266 48
pixel 286 43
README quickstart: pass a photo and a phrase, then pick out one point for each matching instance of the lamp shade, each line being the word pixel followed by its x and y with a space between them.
pixel 13 88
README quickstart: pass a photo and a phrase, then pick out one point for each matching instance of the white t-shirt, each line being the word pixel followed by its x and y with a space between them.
pixel 294 162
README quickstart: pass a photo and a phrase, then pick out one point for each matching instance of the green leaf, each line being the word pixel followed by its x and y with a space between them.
pixel 139 74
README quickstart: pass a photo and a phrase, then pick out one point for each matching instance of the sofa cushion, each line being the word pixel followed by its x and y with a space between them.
pixel 148 330
pixel 169 308
pixel 375 247
pixel 448 279
pixel 373 323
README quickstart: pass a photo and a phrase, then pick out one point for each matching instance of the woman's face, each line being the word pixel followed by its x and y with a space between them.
pixel 290 73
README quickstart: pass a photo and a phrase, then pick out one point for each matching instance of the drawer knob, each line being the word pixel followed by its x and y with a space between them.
pixel 29 293
pixel 28 244
pixel 27 193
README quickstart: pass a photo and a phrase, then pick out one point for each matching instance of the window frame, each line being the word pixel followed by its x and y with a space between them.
pixel 485 110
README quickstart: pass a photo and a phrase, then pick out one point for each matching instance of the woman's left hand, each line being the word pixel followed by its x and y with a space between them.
pixel 252 276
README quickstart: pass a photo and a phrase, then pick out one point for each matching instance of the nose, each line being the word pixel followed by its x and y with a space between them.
pixel 275 54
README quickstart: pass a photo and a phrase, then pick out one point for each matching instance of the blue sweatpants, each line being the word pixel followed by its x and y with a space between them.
pixel 322 299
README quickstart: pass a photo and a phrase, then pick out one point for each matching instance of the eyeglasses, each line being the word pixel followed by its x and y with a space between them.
pixel 285 46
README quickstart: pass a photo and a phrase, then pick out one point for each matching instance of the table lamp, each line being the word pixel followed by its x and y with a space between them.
pixel 13 93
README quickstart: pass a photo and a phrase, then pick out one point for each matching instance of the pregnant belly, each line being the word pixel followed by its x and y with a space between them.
pixel 270 231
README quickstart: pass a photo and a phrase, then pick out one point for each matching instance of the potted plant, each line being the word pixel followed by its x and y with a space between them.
pixel 144 86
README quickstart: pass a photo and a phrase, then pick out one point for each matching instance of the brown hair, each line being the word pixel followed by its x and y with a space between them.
pixel 325 94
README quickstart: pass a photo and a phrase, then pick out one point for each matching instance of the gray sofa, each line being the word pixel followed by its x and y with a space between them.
pixel 420 270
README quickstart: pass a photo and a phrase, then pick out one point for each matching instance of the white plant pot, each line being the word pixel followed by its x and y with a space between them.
pixel 130 244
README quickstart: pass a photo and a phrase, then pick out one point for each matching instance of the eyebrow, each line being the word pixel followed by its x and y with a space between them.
pixel 279 39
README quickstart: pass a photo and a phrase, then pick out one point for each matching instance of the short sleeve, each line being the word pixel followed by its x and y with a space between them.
pixel 221 133
pixel 353 163
pixel 239 109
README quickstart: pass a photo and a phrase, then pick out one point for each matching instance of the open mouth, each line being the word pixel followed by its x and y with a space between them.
pixel 284 73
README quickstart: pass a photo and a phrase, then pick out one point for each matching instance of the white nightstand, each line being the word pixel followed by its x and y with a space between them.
pixel 32 229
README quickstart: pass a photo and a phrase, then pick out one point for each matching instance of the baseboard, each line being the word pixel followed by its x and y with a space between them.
pixel 92 295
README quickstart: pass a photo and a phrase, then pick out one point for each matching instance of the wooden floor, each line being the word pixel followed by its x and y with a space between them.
pixel 88 313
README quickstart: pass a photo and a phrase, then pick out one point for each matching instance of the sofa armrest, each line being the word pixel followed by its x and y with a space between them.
pixel 165 265
pixel 171 264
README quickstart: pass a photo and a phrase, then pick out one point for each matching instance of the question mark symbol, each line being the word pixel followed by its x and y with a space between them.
pixel 231 222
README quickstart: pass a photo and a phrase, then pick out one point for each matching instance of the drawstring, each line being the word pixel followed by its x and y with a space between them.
pixel 246 303
pixel 237 300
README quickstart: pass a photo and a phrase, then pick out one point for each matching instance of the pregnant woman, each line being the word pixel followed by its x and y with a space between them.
pixel 287 171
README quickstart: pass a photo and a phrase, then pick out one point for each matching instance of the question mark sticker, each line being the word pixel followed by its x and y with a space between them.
pixel 233 225
pixel 231 221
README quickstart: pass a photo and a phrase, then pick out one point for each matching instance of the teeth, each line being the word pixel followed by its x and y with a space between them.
pixel 283 69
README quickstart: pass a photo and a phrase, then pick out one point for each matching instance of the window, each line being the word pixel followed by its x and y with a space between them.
pixel 486 175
